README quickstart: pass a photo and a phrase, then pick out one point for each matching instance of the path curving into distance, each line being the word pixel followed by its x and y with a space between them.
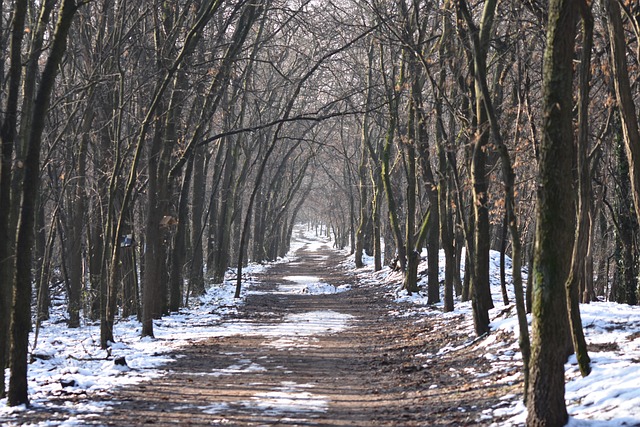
pixel 293 356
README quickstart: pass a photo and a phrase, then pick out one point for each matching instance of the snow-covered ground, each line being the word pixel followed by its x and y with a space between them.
pixel 608 397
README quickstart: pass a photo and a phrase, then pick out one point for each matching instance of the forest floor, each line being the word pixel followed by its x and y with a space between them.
pixel 347 359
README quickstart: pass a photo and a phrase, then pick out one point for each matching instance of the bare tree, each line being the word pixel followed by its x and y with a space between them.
pixel 21 309
pixel 555 223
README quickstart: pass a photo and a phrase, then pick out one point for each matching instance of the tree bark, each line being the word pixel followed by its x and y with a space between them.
pixel 226 198
pixel 446 216
pixel 555 221
pixel 365 222
pixel 511 219
pixel 176 278
pixel 582 234
pixel 623 287
pixel 364 216
pixel 196 276
pixel 481 290
pixel 8 135
pixel 409 151
pixel 21 310
pixel 154 284
pixel 432 237
pixel 445 173
pixel 385 172
pixel 77 220
pixel 626 104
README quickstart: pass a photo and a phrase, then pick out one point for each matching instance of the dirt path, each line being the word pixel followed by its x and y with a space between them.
pixel 360 376
pixel 343 360
pixel 300 378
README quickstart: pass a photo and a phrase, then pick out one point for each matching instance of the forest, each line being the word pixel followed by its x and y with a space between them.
pixel 149 148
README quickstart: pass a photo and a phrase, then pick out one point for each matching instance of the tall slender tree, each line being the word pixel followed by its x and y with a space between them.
pixel 21 309
pixel 8 136
pixel 555 221
pixel 481 291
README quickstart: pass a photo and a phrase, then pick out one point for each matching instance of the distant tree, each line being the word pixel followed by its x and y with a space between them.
pixel 579 265
pixel 364 237
pixel 481 300
pixel 625 283
pixel 446 167
pixel 626 105
pixel 389 71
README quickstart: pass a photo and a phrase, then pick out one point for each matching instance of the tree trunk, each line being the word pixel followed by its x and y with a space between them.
pixel 583 229
pixel 555 221
pixel 432 238
pixel 8 136
pixel 412 245
pixel 385 172
pixel 623 288
pixel 21 310
pixel 196 276
pixel 446 216
pixel 212 217
pixel 374 170
pixel 154 282
pixel 44 249
pixel 172 141
pixel 481 289
pixel 445 212
pixel 375 214
pixel 176 279
pixel 225 213
pixel 259 214
pixel 364 216
pixel 78 206
pixel 503 248
pixel 510 219
pixel 626 104
pixel 129 271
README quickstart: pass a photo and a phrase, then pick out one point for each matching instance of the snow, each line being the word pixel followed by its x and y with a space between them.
pixel 608 397
pixel 287 399
pixel 290 397
pixel 308 285
pixel 243 365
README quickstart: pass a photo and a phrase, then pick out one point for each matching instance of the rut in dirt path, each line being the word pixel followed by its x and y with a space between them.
pixel 300 359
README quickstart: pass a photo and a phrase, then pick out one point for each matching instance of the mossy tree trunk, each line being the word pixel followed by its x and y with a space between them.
pixel 555 219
